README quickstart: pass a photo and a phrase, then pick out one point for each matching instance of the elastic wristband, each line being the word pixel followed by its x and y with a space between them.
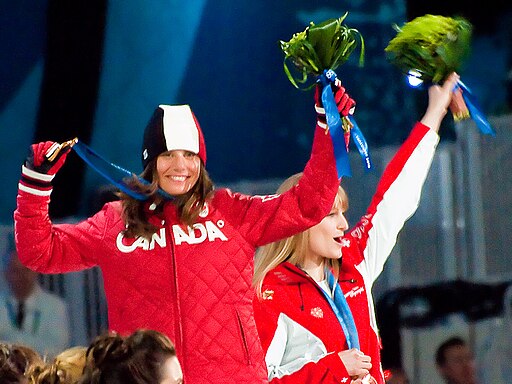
pixel 34 191
pixel 30 173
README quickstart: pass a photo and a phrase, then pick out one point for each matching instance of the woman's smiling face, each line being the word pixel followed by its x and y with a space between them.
pixel 178 171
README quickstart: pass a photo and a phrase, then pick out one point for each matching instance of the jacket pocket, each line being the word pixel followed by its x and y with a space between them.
pixel 243 338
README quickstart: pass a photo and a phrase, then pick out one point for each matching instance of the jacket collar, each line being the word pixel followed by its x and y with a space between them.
pixel 288 274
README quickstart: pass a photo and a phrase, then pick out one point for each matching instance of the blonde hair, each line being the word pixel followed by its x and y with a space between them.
pixel 66 368
pixel 292 248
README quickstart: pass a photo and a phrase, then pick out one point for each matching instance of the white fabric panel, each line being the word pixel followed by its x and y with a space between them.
pixel 180 130
pixel 292 347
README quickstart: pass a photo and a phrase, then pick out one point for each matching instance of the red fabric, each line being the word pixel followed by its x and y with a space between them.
pixel 37 159
pixel 292 292
pixel 196 288
pixel 343 101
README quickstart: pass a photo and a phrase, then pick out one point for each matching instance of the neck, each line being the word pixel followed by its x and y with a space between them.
pixel 314 268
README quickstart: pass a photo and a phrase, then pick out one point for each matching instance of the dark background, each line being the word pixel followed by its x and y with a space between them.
pixel 97 70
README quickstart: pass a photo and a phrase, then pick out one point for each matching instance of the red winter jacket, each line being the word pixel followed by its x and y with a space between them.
pixel 193 285
pixel 293 303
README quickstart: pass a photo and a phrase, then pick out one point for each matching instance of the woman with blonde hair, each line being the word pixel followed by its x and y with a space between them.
pixel 66 368
pixel 313 304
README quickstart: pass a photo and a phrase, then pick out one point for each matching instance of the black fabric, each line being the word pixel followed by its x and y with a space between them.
pixel 72 62
pixel 154 141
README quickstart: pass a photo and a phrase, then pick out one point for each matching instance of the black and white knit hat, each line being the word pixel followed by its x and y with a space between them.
pixel 172 127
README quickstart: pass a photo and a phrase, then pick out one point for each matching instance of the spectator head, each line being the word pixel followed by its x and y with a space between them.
pixel 144 357
pixel 455 362
pixel 21 280
pixel 396 375
pixel 16 361
pixel 66 368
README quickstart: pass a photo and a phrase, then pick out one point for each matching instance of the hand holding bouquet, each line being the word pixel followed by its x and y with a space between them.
pixel 429 48
pixel 315 53
pixel 321 47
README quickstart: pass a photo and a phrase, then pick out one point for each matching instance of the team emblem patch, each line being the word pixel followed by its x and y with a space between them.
pixel 268 294
pixel 317 312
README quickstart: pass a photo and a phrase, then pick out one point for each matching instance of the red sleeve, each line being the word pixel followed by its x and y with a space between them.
pixel 55 248
pixel 265 219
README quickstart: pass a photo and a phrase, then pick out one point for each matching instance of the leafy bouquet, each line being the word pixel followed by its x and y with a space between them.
pixel 429 48
pixel 315 53
pixel 321 47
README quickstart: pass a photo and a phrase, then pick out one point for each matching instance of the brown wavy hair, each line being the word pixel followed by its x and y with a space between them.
pixel 189 205
pixel 135 359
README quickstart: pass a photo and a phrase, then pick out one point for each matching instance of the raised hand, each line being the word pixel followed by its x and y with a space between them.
pixel 345 104
pixel 42 163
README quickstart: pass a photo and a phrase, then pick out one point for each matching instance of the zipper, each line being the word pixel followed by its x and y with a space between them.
pixel 177 322
pixel 244 339
pixel 301 299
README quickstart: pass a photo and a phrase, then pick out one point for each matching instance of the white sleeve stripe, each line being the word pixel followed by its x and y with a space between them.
pixel 320 110
pixel 33 191
pixel 321 125
pixel 36 175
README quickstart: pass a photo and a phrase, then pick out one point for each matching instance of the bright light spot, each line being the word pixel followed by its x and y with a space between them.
pixel 414 78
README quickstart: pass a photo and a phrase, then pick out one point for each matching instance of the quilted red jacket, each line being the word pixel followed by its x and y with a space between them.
pixel 292 301
pixel 192 284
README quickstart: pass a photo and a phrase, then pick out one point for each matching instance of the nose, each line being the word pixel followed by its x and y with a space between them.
pixel 342 223
pixel 178 161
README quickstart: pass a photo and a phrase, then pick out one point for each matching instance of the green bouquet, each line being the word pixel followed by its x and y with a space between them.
pixel 431 47
pixel 320 47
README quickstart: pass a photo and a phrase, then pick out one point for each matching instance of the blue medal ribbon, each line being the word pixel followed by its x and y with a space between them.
pixel 475 111
pixel 360 142
pixel 112 172
pixel 342 311
pixel 335 124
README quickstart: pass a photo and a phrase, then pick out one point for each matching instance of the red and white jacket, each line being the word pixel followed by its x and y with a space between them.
pixel 193 284
pixel 299 331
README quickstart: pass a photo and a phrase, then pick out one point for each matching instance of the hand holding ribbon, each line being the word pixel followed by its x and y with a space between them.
pixel 341 125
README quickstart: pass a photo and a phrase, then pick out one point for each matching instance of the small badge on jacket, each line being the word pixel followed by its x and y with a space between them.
pixel 268 294
pixel 317 312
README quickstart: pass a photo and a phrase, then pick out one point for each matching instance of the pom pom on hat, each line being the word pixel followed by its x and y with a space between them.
pixel 172 127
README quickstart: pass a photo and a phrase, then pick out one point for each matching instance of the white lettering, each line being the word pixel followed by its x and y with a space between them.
pixel 354 292
pixel 196 234
pixel 141 242
pixel 192 233
pixel 214 232
pixel 179 235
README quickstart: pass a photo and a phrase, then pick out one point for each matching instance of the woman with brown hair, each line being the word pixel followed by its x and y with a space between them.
pixel 144 357
pixel 178 260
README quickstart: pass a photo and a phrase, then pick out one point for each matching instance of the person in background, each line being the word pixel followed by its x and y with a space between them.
pixel 455 362
pixel 313 305
pixel 180 259
pixel 66 368
pixel 144 357
pixel 396 375
pixel 29 314
pixel 16 360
